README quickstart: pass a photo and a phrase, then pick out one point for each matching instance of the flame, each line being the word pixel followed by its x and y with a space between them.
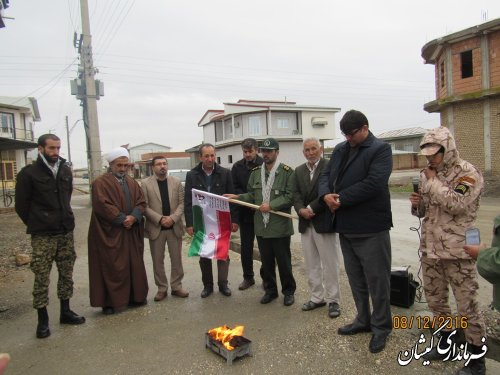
pixel 224 334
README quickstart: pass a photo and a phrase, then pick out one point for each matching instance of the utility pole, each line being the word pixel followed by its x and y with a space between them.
pixel 67 140
pixel 89 100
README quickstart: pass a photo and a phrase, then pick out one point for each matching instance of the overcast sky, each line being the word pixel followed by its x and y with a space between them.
pixel 164 62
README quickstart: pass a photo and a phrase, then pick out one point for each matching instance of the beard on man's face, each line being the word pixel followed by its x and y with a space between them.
pixel 50 159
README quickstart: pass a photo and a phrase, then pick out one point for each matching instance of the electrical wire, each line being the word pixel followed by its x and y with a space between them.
pixel 115 26
pixel 419 295
pixel 55 79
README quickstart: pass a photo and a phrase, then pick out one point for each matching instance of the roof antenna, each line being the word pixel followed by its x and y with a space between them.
pixel 484 15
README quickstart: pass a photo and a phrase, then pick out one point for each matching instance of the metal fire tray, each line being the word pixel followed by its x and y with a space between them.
pixel 243 348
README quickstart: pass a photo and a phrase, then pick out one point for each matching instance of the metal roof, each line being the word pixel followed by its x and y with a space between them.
pixel 403 133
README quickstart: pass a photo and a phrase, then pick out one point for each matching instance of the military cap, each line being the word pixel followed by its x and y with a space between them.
pixel 430 149
pixel 270 144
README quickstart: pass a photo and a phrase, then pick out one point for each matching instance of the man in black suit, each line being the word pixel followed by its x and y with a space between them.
pixel 355 187
pixel 319 242
pixel 211 177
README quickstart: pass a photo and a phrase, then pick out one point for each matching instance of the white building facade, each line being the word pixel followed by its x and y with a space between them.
pixel 287 122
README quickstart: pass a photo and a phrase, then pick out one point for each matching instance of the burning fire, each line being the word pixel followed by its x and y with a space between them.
pixel 224 334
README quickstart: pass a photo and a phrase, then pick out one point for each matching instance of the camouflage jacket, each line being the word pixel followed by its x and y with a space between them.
pixel 450 201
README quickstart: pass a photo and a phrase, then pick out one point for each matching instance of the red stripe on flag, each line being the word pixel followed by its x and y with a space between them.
pixel 222 243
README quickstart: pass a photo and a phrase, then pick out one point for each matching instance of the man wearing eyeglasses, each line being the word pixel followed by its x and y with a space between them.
pixel 354 186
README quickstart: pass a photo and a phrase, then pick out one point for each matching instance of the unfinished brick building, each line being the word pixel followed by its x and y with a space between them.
pixel 467 74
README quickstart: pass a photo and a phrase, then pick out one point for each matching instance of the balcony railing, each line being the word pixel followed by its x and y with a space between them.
pixel 18 134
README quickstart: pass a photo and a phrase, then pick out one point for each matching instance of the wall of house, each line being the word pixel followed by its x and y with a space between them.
pixel 136 152
pixel 469 131
pixel 470 84
pixel 494 49
pixel 408 161
pixel 408 144
pixel 441 85
pixel 279 117
pixel 290 154
pixel 326 132
pixel 468 124
pixel 209 133
pixel 495 134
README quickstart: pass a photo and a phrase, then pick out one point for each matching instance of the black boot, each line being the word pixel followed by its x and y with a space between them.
pixel 434 355
pixel 42 329
pixel 68 316
pixel 475 366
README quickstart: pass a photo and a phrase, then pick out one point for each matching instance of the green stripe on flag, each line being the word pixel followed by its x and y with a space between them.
pixel 199 232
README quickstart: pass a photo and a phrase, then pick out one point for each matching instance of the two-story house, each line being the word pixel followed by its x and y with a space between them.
pixel 17 117
pixel 287 122
pixel 467 79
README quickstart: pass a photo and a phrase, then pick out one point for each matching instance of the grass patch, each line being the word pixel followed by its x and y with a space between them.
pixel 407 188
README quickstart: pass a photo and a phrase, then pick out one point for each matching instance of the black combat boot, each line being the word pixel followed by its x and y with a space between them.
pixel 42 329
pixel 475 366
pixel 434 355
pixel 68 316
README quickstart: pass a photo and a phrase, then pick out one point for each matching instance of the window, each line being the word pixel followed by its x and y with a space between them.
pixel 7 171
pixel 408 147
pixel 254 125
pixel 441 73
pixel 219 132
pixel 466 64
pixel 7 122
pixel 218 160
pixel 282 123
pixel 228 129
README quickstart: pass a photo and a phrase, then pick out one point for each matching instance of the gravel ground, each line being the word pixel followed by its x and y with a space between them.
pixel 284 340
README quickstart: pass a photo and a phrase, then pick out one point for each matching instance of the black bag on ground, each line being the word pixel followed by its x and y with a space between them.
pixel 403 287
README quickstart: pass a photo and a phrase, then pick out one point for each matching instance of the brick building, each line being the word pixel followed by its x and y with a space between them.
pixel 467 77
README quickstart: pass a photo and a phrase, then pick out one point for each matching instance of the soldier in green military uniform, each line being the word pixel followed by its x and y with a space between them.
pixel 488 266
pixel 271 188
pixel 488 261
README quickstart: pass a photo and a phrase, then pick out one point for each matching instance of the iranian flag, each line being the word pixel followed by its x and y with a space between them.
pixel 211 225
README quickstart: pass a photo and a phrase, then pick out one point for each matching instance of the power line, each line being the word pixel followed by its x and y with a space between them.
pixel 56 79
pixel 109 35
pixel 249 68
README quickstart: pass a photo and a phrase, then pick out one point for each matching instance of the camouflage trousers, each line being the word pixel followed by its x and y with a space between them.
pixel 47 249
pixel 461 275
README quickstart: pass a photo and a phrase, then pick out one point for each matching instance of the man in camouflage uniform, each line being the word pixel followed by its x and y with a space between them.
pixel 43 195
pixel 448 200
pixel 271 187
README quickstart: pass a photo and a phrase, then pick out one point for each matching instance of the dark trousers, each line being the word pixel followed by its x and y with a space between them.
pixel 247 236
pixel 367 262
pixel 207 274
pixel 276 251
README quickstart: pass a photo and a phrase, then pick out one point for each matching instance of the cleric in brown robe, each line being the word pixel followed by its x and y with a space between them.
pixel 116 239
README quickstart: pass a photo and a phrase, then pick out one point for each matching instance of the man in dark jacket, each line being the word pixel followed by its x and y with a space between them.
pixel 355 188
pixel 241 173
pixel 211 177
pixel 43 195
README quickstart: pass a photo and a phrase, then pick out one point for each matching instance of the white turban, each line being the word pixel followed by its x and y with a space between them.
pixel 116 153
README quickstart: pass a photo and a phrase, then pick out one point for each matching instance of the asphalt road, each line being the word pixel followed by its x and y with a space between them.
pixel 168 337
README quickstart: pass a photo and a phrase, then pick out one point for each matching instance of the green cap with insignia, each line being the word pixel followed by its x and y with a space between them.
pixel 270 144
